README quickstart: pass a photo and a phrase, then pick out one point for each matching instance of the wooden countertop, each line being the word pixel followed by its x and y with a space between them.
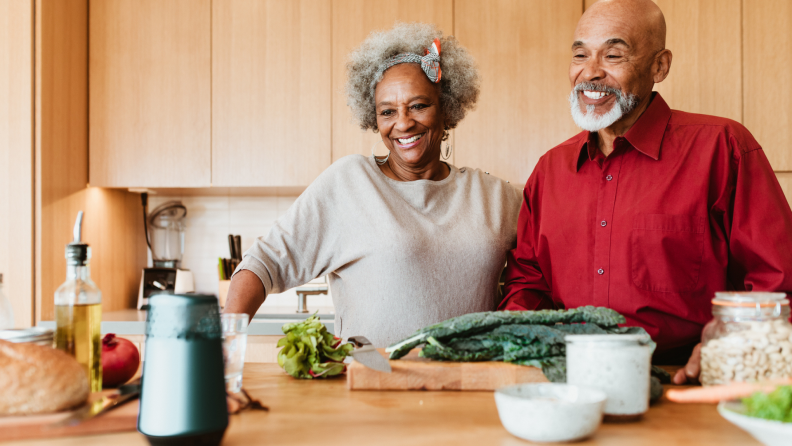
pixel 325 412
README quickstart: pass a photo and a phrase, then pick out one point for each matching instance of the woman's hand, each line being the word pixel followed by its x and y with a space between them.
pixel 245 295
pixel 690 372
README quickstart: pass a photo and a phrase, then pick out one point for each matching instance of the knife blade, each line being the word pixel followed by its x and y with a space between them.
pixel 366 354
pixel 103 405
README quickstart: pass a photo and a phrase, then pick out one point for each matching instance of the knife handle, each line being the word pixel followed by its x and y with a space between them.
pixel 359 341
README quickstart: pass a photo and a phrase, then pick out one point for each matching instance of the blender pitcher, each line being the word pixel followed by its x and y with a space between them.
pixel 166 230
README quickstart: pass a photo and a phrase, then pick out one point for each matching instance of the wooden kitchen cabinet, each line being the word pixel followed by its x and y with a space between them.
pixel 150 87
pixel 270 92
pixel 767 43
pixel 523 51
pixel 706 71
pixel 353 20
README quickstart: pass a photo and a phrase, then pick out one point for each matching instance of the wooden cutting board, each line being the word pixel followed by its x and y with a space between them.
pixel 415 373
pixel 121 419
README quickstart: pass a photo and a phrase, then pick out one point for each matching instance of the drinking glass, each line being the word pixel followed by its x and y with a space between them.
pixel 235 327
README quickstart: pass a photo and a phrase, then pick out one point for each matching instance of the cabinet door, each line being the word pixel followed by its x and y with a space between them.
pixel 523 51
pixel 150 110
pixel 706 73
pixel 353 20
pixel 270 92
pixel 767 43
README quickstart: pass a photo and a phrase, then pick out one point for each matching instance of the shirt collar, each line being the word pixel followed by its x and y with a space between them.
pixel 646 135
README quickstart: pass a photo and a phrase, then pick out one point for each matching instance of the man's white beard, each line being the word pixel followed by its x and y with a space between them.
pixel 625 103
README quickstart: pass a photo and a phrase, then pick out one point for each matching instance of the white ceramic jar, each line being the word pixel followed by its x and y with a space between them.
pixel 618 364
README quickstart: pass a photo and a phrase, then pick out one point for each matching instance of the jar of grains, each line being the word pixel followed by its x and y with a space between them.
pixel 748 339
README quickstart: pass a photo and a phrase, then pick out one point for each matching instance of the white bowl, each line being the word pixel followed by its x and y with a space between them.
pixel 550 412
pixel 771 433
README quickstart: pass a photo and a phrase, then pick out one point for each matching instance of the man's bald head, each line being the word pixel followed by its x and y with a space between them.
pixel 642 20
pixel 618 55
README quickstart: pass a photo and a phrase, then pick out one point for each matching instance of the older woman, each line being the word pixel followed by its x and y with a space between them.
pixel 406 240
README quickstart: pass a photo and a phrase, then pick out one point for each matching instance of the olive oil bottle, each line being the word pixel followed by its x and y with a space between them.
pixel 78 310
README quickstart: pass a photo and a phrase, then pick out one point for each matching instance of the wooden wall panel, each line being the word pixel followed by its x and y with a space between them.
pixel 16 156
pixel 523 50
pixel 270 92
pixel 112 224
pixel 785 180
pixel 353 20
pixel 767 43
pixel 706 71
pixel 150 99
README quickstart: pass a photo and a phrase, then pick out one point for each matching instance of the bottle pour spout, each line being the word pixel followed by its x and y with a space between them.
pixel 78 227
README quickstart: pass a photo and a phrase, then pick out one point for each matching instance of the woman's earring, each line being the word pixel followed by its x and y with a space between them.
pixel 449 149
pixel 378 161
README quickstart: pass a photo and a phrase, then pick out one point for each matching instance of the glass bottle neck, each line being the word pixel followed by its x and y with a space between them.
pixel 78 272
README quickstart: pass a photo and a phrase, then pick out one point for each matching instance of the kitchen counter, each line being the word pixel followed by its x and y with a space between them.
pixel 325 412
pixel 267 322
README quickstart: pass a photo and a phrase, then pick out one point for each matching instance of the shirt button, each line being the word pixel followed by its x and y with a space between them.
pixel 600 271
pixel 609 177
pixel 603 223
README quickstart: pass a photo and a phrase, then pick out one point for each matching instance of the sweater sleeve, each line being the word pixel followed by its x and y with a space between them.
pixel 301 246
pixel 525 286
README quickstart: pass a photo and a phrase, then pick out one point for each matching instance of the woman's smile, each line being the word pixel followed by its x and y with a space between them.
pixel 408 142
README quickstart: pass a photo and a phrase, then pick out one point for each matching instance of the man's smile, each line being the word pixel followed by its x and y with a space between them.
pixel 590 97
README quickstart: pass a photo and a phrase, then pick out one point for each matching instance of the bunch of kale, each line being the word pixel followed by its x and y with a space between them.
pixel 534 338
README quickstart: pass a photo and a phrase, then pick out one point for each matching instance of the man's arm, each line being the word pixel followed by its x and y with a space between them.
pixel 245 295
pixel 758 221
pixel 525 286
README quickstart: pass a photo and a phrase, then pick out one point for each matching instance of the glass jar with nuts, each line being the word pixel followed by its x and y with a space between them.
pixel 748 339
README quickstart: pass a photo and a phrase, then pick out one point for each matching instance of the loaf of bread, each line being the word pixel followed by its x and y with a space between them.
pixel 36 379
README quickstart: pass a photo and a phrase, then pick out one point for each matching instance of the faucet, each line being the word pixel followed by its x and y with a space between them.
pixel 312 288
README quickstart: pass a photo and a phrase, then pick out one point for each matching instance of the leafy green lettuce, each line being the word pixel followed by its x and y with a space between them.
pixel 309 351
pixel 776 405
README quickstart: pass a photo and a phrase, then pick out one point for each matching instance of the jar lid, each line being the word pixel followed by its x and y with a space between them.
pixel 751 299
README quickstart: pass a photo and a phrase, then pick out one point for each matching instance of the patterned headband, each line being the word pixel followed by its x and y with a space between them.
pixel 430 62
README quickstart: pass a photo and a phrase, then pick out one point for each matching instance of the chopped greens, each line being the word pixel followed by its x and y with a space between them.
pixel 776 405
pixel 309 351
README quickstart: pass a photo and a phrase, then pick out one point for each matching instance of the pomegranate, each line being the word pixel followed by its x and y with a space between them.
pixel 120 360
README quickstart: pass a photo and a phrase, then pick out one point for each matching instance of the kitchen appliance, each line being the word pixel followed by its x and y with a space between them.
pixel 164 228
pixel 183 397
pixel 163 281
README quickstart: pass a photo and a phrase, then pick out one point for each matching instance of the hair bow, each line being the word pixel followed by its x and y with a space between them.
pixel 430 61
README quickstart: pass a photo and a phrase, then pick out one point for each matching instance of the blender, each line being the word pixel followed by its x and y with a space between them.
pixel 165 238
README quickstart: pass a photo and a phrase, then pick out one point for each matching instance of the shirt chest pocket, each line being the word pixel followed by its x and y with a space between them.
pixel 666 252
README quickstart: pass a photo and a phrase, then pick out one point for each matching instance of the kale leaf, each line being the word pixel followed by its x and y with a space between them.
pixel 473 323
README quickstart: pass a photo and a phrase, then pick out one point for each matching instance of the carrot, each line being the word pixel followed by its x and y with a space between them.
pixel 715 394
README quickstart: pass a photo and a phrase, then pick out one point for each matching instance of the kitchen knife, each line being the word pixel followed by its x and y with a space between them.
pixel 105 404
pixel 232 246
pixel 366 354
pixel 238 246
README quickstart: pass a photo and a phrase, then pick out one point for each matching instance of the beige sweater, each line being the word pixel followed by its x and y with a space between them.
pixel 399 255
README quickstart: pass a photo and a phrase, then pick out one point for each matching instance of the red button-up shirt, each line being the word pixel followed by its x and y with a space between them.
pixel 686 205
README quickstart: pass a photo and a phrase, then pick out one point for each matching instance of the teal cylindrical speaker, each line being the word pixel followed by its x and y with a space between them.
pixel 183 395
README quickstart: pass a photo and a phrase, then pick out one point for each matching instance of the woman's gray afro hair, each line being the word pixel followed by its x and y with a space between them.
pixel 459 84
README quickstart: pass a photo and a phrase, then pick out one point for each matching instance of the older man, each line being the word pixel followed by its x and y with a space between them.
pixel 649 211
